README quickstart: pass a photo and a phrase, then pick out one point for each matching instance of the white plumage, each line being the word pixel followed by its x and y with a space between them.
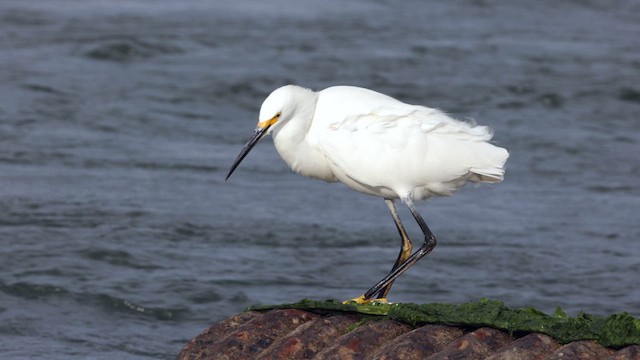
pixel 379 146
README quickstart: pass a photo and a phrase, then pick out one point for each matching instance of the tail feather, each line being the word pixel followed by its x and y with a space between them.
pixel 493 163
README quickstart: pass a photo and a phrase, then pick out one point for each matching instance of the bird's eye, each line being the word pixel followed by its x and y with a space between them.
pixel 277 115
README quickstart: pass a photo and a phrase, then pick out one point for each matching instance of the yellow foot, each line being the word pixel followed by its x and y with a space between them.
pixel 362 301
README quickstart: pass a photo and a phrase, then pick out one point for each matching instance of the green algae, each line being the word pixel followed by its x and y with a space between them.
pixel 618 330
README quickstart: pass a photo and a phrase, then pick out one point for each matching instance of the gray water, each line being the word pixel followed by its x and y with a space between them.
pixel 119 238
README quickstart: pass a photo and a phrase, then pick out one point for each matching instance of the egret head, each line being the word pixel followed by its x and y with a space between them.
pixel 276 109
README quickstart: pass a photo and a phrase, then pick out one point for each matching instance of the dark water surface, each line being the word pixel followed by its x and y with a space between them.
pixel 118 120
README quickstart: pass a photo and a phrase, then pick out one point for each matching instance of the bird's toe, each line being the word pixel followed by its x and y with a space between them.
pixel 360 300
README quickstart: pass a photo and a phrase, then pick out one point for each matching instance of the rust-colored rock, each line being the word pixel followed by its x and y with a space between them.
pixel 200 347
pixel 532 347
pixel 363 341
pixel 310 338
pixel 419 343
pixel 474 345
pixel 629 353
pixel 581 350
pixel 249 339
pixel 297 334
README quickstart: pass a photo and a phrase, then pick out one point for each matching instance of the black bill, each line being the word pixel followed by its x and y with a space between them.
pixel 255 138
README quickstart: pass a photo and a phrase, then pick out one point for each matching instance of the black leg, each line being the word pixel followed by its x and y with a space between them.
pixel 405 245
pixel 428 245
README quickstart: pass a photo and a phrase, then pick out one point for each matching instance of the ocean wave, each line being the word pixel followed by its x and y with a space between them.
pixel 106 303
pixel 127 49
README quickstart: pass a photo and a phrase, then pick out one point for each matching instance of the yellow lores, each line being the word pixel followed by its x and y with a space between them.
pixel 268 123
pixel 379 146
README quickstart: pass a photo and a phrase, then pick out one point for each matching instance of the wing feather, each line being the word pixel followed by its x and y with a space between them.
pixel 407 147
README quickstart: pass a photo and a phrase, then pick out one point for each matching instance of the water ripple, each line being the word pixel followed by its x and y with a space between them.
pixel 107 303
pixel 127 49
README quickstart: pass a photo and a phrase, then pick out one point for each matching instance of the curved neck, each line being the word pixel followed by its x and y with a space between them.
pixel 290 139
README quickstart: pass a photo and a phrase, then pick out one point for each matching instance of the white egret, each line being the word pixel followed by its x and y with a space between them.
pixel 379 146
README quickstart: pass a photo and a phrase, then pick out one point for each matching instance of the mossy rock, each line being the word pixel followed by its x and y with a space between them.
pixel 618 330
